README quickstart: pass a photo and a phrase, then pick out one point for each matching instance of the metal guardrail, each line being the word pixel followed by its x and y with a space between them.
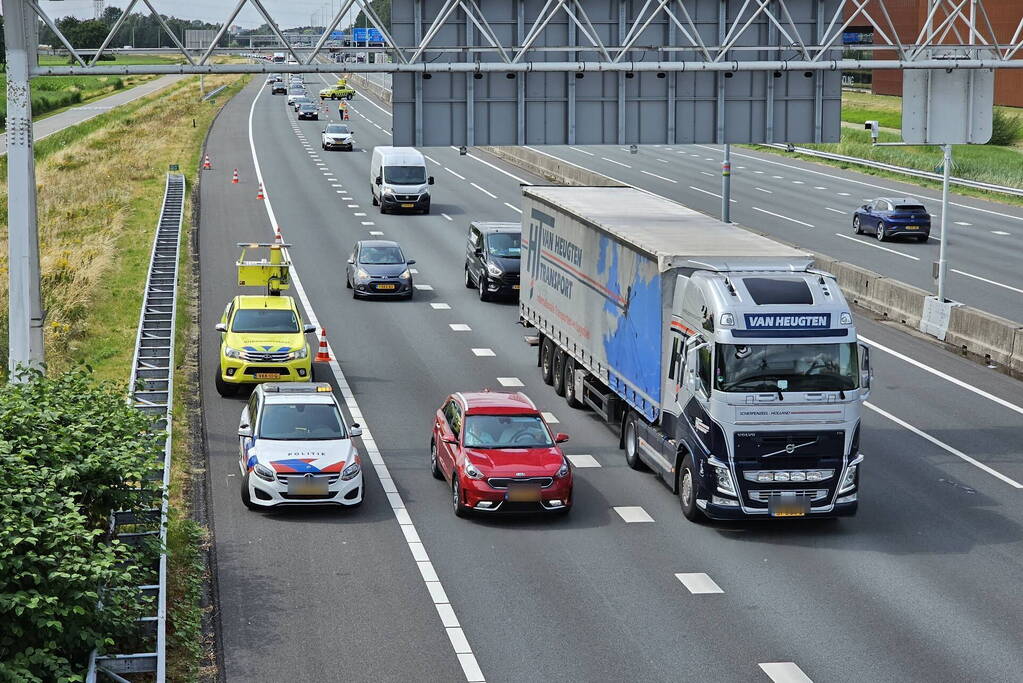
pixel 213 93
pixel 152 392
pixel 964 182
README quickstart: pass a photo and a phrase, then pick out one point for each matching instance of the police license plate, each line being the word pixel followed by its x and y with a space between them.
pixel 408 206
pixel 789 506
pixel 307 486
pixel 385 286
pixel 912 227
pixel 523 493
pixel 268 375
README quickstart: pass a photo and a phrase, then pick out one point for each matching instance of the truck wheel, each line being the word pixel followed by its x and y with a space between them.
pixel 632 444
pixel 569 381
pixel 547 361
pixel 225 389
pixel 559 372
pixel 687 490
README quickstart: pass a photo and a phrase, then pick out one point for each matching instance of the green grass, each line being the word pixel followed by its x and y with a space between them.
pixel 858 107
pixel 55 60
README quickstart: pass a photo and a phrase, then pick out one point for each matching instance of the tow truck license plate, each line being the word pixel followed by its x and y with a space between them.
pixel 408 206
pixel 523 493
pixel 268 375
pixel 789 506
pixel 301 486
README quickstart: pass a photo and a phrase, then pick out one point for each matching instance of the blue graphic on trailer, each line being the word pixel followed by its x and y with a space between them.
pixel 632 344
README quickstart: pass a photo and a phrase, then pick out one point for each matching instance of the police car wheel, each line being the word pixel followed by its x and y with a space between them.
pixel 246 498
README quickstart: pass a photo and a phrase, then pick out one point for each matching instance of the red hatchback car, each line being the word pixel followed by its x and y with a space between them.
pixel 498 454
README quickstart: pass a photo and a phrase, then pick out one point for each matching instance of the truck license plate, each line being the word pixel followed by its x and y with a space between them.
pixel 523 493
pixel 267 375
pixel 789 505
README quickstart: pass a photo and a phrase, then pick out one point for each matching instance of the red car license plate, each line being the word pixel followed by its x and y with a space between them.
pixel 523 493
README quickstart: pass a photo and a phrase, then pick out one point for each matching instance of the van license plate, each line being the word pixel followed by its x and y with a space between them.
pixel 789 505
pixel 408 206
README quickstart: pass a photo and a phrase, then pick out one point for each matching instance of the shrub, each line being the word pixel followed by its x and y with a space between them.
pixel 1006 129
pixel 71 452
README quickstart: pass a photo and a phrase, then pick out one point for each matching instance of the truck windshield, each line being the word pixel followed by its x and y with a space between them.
pixel 265 320
pixel 300 422
pixel 506 431
pixel 405 175
pixel 786 367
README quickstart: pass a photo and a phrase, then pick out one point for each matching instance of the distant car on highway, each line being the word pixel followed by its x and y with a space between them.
pixel 299 101
pixel 294 94
pixel 498 453
pixel 295 449
pixel 309 111
pixel 378 268
pixel 492 258
pixel 337 136
pixel 888 217
pixel 278 88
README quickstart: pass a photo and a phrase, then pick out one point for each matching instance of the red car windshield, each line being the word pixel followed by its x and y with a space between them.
pixel 506 431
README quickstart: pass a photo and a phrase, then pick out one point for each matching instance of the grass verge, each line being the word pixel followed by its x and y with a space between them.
pixel 99 197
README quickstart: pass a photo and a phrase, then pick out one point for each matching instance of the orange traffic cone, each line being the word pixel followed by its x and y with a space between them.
pixel 206 165
pixel 234 178
pixel 259 195
pixel 323 355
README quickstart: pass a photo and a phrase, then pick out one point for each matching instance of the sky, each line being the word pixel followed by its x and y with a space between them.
pixel 287 13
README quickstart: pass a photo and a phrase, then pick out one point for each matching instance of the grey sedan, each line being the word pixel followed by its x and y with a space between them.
pixel 378 268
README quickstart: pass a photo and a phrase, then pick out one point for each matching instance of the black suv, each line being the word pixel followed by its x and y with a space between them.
pixel 492 258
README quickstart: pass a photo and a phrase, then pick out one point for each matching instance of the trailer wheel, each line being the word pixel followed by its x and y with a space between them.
pixel 632 444
pixel 687 490
pixel 547 361
pixel 569 381
pixel 559 371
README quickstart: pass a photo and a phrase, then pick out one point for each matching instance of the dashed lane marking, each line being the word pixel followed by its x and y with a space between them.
pixel 828 208
pixel 459 327
pixel 699 583
pixel 550 417
pixel 424 288
pixel 375 233
pixel 583 460
pixel 440 307
pixel 784 672
pixel 484 353
pixel 632 514
pixel 484 191
pixel 518 210
pixel 457 175
pixel 616 162
pixel 446 216
pixel 760 189
pixel 510 382
pixel 582 151
pixel 659 177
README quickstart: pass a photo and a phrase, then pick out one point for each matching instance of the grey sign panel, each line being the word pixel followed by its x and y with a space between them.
pixel 198 39
pixel 947 107
pixel 607 107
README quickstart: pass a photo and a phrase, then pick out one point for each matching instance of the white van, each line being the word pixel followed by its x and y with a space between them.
pixel 398 180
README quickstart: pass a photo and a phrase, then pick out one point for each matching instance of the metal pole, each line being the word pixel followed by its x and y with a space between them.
pixel 25 305
pixel 726 185
pixel 942 262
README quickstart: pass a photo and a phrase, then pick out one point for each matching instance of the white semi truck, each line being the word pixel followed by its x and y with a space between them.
pixel 730 366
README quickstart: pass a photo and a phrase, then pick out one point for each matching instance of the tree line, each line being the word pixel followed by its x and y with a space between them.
pixel 138 30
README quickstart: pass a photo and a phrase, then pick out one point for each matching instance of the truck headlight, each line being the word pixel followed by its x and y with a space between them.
pixel 724 480
pixel 849 481
pixel 472 471
pixel 300 353
pixel 352 470
pixel 232 353
pixel 494 270
pixel 263 472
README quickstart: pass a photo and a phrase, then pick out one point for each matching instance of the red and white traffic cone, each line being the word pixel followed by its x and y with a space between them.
pixel 234 178
pixel 206 165
pixel 323 355
pixel 278 237
pixel 259 195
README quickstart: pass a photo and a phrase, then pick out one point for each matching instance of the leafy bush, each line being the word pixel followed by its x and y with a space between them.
pixel 1006 128
pixel 70 452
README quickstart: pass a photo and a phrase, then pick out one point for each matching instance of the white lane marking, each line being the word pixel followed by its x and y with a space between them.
pixel 424 288
pixel 777 177
pixel 460 327
pixel 510 382
pixel 699 583
pixel 875 246
pixel 707 159
pixel 663 161
pixel 484 191
pixel 368 223
pixel 470 667
pixel 457 175
pixel 759 172
pixel 388 133
pixel 954 451
pixel 359 213
pixel 376 124
pixel 337 185
pixel 440 307
pixel 375 233
pixel 367 99
pixel 949 378
pixel 962 223
pixel 484 353
pixel 583 460
pixel 819 187
pixel 828 208
pixel 320 163
pixel 431 159
pixel 659 177
pixel 760 189
pixel 413 271
pixel 999 232
pixel 632 514
pixel 990 282
pixel 353 206
pixel 458 641
pixel 784 672
pixel 616 162
pixel 518 210
pixel 706 173
pixel 784 218
pixel 583 151
pixel 550 417
pixel 798 182
pixel 446 216
pixel 497 168
pixel 697 189
pixel 844 194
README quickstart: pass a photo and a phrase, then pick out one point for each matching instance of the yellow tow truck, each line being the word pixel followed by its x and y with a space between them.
pixel 262 337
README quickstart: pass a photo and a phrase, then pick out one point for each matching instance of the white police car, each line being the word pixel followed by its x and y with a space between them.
pixel 295 449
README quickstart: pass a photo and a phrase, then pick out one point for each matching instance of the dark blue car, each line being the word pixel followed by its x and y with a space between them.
pixel 893 217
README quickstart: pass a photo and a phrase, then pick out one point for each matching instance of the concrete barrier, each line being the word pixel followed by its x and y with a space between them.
pixel 372 88
pixel 972 332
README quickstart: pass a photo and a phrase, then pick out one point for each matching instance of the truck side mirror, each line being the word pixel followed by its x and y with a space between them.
pixel 866 376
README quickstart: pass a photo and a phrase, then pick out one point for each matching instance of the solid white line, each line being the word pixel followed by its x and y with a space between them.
pixel 778 215
pixel 712 194
pixel 468 661
pixel 828 208
pixel 784 672
pixel 550 418
pixel 367 99
pixel 632 514
pixel 659 177
pixel 699 583
pixel 990 282
pixel 616 162
pixel 583 460
pixel 513 207
pixel 875 246
pixel 760 189
pixel 954 451
pixel 583 151
pixel 484 191
pixel 457 175
pixel 484 353
pixel 510 382
pixel 460 327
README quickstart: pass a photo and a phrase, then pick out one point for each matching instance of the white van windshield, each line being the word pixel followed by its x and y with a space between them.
pixel 405 175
